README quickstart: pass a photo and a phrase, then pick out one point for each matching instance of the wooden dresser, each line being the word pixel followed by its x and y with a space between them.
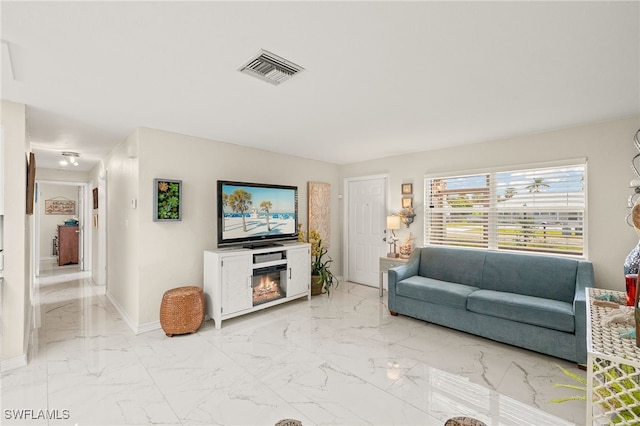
pixel 67 244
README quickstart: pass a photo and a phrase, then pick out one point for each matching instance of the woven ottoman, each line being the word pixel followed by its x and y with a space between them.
pixel 182 310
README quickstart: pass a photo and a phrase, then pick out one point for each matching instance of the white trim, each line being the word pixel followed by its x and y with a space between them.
pixel 583 161
pixel 585 219
pixel 136 329
pixel 13 363
pixel 150 326
pixel 125 317
pixel 507 168
pixel 85 220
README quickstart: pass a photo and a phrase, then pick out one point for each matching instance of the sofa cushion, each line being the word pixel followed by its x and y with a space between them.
pixel 435 291
pixel 454 265
pixel 526 309
pixel 531 275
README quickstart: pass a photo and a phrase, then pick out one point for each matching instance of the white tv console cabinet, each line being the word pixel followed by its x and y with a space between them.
pixel 231 278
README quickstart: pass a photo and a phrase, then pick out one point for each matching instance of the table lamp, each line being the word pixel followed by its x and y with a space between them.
pixel 393 223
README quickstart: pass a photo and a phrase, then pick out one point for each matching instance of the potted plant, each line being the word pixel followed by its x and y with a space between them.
pixel 321 276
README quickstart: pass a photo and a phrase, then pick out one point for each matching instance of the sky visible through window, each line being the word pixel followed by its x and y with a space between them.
pixel 551 181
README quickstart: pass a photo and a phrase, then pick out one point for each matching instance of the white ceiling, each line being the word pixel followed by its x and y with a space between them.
pixel 380 79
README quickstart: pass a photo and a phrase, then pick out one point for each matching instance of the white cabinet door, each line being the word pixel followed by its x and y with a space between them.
pixel 236 283
pixel 298 271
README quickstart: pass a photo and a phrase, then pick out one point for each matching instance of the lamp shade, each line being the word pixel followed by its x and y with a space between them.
pixel 393 222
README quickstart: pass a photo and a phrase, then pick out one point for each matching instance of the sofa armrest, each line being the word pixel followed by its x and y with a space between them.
pixel 399 273
pixel 584 279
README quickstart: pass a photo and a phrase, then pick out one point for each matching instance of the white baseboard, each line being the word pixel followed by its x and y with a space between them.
pixel 13 363
pixel 121 311
pixel 136 329
pixel 150 326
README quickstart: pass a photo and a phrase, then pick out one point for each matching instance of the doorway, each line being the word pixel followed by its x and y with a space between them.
pixel 366 207
pixel 59 204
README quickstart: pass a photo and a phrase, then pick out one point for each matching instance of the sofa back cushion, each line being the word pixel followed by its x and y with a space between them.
pixel 531 275
pixel 455 265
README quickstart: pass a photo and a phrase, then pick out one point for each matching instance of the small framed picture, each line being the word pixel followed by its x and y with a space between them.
pixel 407 203
pixel 167 200
pixel 407 188
pixel 95 198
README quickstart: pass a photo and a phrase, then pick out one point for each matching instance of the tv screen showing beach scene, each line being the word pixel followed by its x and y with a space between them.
pixel 254 212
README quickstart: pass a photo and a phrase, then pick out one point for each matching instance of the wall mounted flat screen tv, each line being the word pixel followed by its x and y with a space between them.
pixel 256 214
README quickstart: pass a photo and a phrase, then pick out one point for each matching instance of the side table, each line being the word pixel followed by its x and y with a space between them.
pixel 613 367
pixel 387 263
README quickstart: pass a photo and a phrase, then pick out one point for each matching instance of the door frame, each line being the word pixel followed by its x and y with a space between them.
pixel 345 214
pixel 100 267
pixel 84 217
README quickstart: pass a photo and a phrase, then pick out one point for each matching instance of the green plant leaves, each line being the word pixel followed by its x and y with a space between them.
pixel 168 200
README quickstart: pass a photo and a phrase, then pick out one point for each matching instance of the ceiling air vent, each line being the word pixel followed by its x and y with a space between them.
pixel 270 68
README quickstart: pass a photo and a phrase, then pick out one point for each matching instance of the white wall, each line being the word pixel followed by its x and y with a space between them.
pixel 49 222
pixel 61 175
pixel 152 257
pixel 17 230
pixel 608 147
pixel 123 269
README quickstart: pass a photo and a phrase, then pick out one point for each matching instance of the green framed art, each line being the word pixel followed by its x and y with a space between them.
pixel 167 200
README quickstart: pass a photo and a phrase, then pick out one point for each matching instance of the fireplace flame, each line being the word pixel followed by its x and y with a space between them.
pixel 266 289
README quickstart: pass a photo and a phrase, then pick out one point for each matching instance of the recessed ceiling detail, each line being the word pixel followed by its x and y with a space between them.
pixel 270 68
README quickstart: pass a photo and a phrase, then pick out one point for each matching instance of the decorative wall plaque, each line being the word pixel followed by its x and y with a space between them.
pixel 66 207
pixel 319 195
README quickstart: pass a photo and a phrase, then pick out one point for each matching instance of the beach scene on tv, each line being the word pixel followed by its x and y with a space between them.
pixel 255 211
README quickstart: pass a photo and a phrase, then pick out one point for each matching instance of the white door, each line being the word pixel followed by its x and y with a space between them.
pixel 366 226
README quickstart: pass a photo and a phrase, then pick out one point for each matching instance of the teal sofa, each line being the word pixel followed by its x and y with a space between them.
pixel 533 301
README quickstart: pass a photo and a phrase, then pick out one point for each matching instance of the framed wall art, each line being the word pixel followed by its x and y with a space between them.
pixel 31 182
pixel 407 188
pixel 95 198
pixel 167 200
pixel 407 203
pixel 63 207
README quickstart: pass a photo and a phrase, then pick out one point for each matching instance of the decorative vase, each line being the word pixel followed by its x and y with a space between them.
pixel 405 251
pixel 316 285
pixel 632 261
pixel 631 284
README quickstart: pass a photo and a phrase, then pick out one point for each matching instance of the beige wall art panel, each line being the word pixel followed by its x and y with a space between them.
pixel 319 195
pixel 59 207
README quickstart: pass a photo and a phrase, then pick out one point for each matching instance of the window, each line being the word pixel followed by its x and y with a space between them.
pixel 534 210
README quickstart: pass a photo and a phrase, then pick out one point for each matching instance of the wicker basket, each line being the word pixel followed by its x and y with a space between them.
pixel 182 310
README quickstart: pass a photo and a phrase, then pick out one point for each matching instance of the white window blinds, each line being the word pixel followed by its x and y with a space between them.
pixel 535 210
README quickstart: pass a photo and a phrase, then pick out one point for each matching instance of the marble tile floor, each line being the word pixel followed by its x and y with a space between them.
pixel 339 360
pixel 50 267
